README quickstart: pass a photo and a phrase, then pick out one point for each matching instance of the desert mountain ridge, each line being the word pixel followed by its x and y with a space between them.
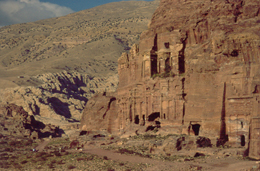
pixel 52 67
pixel 89 41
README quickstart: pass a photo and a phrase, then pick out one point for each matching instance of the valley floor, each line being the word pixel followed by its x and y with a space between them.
pixel 104 152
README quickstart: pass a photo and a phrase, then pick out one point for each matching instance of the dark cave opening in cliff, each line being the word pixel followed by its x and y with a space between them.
pixel 158 124
pixel 137 119
pixel 196 129
pixel 181 57
pixel 153 116
pixel 181 64
pixel 243 140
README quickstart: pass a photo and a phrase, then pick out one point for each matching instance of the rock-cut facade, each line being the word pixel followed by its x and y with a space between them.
pixel 196 71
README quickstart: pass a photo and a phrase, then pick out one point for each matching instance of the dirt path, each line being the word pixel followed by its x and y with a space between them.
pixel 211 164
pixel 231 164
pixel 42 145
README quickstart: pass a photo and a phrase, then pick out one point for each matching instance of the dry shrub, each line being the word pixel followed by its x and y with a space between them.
pixel 60 162
pixel 4 157
pixel 53 161
pixel 71 167
pixel 89 158
pixel 81 158
pixel 56 153
pixel 40 154
pixel 17 166
pixel 121 164
pixel 51 166
pixel 4 165
pixel 24 162
pixel 110 169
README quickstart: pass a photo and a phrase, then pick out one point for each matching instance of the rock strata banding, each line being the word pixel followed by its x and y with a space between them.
pixel 195 72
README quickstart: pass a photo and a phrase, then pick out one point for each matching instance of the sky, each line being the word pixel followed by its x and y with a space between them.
pixel 22 11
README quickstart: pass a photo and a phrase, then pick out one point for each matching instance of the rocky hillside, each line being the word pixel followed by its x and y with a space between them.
pixel 15 121
pixel 58 96
pixel 89 41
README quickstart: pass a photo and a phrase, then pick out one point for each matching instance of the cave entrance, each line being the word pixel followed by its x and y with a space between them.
pixel 137 119
pixel 154 116
pixel 196 129
pixel 243 140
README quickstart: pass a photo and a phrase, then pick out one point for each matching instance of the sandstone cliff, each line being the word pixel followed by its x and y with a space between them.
pixel 196 72
pixel 100 114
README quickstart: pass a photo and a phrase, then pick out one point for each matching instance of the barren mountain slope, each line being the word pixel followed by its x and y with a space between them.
pixel 89 41
pixel 52 67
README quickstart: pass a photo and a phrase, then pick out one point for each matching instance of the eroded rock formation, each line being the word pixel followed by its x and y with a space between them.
pixel 196 72
pixel 59 96
pixel 15 121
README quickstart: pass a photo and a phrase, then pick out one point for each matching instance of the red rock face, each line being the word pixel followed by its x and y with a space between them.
pixel 196 71
pixel 100 114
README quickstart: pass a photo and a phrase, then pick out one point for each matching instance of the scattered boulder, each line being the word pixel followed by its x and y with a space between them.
pixel 74 144
pixel 203 142
pixel 100 114
pixel 197 154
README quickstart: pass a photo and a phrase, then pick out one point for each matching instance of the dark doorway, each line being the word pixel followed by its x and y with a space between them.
pixel 143 121
pixel 158 124
pixel 130 113
pixel 153 116
pixel 153 64
pixel 137 119
pixel 167 65
pixel 243 140
pixel 196 129
pixel 181 59
pixel 167 45
pixel 181 64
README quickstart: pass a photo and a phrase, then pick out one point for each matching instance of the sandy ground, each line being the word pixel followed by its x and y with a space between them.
pixel 211 163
